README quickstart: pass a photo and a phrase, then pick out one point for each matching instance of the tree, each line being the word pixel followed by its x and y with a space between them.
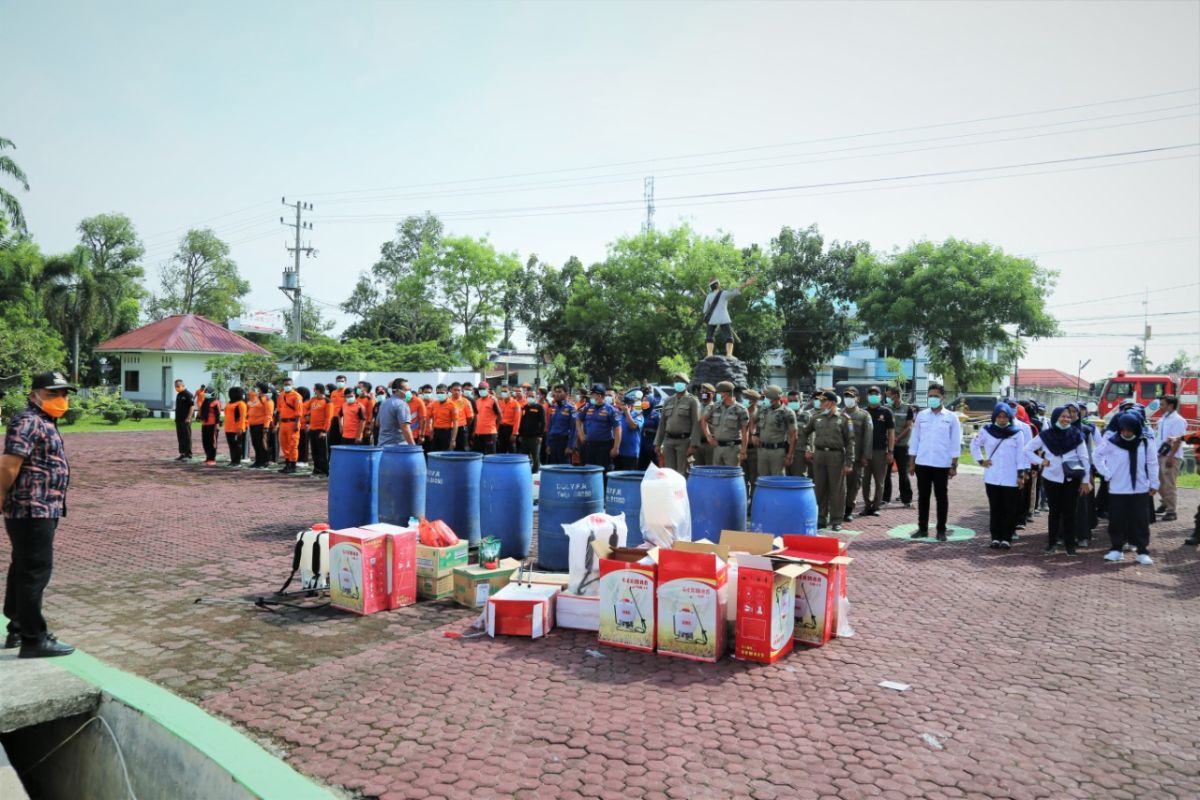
pixel 247 369
pixel 1137 358
pixel 470 276
pixel 313 325
pixel 957 298
pixel 1181 363
pixel 8 200
pixel 201 279
pixel 363 355
pixel 813 291
pixel 28 344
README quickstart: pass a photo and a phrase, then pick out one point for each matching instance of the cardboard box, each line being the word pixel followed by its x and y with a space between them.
pixel 628 598
pixel 358 576
pixel 577 611
pixel 559 579
pixel 818 589
pixel 522 610
pixel 692 598
pixel 473 584
pixel 402 563
pixel 766 608
pixel 436 562
pixel 435 588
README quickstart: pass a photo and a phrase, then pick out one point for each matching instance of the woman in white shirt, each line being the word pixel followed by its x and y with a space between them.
pixel 999 449
pixel 1128 461
pixel 1064 463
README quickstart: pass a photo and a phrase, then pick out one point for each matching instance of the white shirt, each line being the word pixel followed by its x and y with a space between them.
pixel 1007 457
pixel 1170 426
pixel 720 315
pixel 1113 463
pixel 1054 470
pixel 936 438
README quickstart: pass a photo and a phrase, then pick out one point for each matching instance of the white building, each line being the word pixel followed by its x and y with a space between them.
pixel 154 356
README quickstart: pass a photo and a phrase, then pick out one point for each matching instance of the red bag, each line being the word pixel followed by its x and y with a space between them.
pixel 435 534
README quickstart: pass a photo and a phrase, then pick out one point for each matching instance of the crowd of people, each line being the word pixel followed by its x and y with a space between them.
pixel 1063 465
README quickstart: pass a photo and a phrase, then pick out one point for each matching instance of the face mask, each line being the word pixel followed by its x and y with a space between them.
pixel 1129 437
pixel 608 401
pixel 340 384
pixel 441 396
pixel 56 406
pixel 817 404
pixel 427 396
pixel 849 402
pixel 1003 424
pixel 638 395
pixel 483 392
pixel 680 386
pixel 826 411
pixel 794 405
pixel 504 395
pixel 935 402
pixel 531 402
pixel 745 402
pixel 408 396
pixel 1062 426
pixel 704 397
pixel 468 393
pixel 595 401
pixel 764 402
pixel 873 399
pixel 287 387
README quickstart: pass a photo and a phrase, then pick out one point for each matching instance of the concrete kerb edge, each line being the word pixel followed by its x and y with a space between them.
pixel 263 774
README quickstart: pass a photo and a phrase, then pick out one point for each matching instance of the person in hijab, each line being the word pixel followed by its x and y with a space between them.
pixel 1019 418
pixel 1127 460
pixel 1085 517
pixel 1064 462
pixel 999 449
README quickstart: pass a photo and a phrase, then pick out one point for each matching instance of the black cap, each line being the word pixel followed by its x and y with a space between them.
pixel 598 388
pixel 51 380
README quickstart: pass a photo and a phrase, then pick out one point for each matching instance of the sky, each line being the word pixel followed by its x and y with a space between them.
pixel 1064 131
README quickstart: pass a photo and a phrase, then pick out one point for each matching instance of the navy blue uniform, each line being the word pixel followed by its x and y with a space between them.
pixel 599 430
pixel 561 432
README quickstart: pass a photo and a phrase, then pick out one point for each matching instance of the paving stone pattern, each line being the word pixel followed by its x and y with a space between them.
pixel 1032 676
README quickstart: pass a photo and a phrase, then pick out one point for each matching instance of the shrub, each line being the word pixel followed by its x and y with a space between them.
pixel 114 415
pixel 139 412
pixel 72 416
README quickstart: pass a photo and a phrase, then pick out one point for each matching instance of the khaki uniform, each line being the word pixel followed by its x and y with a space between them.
pixel 678 430
pixel 861 421
pixel 800 466
pixel 704 453
pixel 833 450
pixel 773 427
pixel 726 424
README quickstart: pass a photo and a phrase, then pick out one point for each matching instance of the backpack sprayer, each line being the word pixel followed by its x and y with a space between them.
pixel 626 611
pixel 810 623
pixel 684 623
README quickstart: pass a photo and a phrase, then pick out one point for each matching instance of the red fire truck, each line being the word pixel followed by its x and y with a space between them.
pixel 1145 389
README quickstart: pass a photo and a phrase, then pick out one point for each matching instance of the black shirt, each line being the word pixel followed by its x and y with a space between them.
pixel 183 404
pixel 881 419
pixel 533 421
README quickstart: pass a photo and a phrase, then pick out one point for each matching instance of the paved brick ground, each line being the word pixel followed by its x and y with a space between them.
pixel 1032 676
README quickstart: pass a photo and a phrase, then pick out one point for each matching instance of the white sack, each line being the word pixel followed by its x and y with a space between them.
pixel 666 515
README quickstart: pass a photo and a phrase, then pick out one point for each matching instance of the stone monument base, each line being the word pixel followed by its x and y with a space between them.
pixel 715 369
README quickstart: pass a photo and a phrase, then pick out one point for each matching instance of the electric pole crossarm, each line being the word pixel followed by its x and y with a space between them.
pixel 291 282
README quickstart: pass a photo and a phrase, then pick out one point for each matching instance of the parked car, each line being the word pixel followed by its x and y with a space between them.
pixel 976 404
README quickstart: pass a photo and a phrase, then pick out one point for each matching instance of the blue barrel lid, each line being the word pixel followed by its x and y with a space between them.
pixel 506 458
pixel 783 482
pixel 451 456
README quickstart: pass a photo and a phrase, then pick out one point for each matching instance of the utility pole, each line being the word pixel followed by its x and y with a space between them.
pixel 291 278
pixel 648 193
pixel 1145 326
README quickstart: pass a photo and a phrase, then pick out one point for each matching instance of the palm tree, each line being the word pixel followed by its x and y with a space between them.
pixel 7 199
pixel 80 300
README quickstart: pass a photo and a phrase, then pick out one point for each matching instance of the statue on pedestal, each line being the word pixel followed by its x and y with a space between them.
pixel 716 314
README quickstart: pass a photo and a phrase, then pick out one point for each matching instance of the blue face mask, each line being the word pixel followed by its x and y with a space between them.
pixel 816 404
pixel 1062 426
pixel 680 386
pixel 408 396
pixel 441 396
pixel 764 403
pixel 1001 423
pixel 595 401
pixel 483 392
pixel 935 402
pixel 745 402
pixel 794 405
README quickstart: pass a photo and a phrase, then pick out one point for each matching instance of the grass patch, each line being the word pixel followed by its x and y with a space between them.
pixel 1189 481
pixel 97 425
pixel 965 458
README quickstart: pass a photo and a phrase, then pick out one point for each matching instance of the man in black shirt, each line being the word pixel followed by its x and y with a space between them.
pixel 883 446
pixel 184 402
pixel 531 428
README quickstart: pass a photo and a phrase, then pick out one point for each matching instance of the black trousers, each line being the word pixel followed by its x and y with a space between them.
pixel 460 442
pixel 901 457
pixel 1002 508
pixel 597 454
pixel 320 452
pixel 302 455
pixel 932 479
pixel 272 445
pixel 1129 521
pixel 556 450
pixel 532 447
pixel 626 462
pixel 183 433
pixel 237 447
pixel 208 438
pixel 485 443
pixel 504 442
pixel 259 443
pixel 1064 500
pixel 335 432
pixel 441 440
pixel 647 456
pixel 28 575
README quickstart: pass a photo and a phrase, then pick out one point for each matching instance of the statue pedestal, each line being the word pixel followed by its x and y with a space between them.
pixel 715 369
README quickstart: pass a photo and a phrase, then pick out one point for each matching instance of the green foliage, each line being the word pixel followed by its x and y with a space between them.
pixel 139 412
pixel 1181 363
pixel 1137 358
pixel 72 416
pixel 115 415
pixel 313 324
pixel 956 298
pixel 669 365
pixel 470 277
pixel 362 355
pixel 201 279
pixel 28 343
pixel 242 370
pixel 8 201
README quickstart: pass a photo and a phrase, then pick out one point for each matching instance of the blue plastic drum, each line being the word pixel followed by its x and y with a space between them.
pixel 506 503
pixel 717 497
pixel 401 483
pixel 568 494
pixel 452 492
pixel 623 495
pixel 353 486
pixel 784 504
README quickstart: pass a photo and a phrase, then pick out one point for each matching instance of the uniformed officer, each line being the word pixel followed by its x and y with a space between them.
pixel 799 406
pixel 704 453
pixel 651 417
pixel 861 424
pixel 598 431
pixel 726 428
pixel 679 427
pixel 830 459
pixel 752 401
pixel 560 427
pixel 775 434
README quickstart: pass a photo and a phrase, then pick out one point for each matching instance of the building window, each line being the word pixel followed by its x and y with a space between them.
pixel 131 380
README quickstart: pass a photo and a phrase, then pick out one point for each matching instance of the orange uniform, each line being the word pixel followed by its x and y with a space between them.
pixel 259 411
pixel 214 414
pixel 291 408
pixel 236 417
pixel 510 412
pixel 368 404
pixel 416 407
pixel 487 416
pixel 199 401
pixel 354 421
pixel 445 414
pixel 319 415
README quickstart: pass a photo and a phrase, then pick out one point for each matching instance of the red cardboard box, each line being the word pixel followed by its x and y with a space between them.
pixel 819 589
pixel 766 608
pixel 628 597
pixel 522 610
pixel 402 563
pixel 692 579
pixel 358 570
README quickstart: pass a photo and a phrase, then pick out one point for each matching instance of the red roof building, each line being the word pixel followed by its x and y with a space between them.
pixel 1048 379
pixel 183 333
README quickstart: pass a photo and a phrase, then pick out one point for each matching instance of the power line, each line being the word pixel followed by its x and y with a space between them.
pixel 1125 296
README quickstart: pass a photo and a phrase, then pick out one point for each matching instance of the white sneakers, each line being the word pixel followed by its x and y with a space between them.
pixel 1114 555
pixel 1144 559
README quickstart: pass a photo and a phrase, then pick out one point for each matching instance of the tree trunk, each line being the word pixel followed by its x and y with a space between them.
pixel 75 360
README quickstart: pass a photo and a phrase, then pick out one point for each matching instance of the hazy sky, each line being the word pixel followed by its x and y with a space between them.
pixel 508 119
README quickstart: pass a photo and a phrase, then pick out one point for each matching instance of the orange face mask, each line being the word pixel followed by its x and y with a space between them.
pixel 56 406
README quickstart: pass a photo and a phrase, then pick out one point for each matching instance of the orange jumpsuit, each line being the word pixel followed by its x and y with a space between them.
pixel 291 406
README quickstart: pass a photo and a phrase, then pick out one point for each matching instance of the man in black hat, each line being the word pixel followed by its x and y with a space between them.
pixel 33 482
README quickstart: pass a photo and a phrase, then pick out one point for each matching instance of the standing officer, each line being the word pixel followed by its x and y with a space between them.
pixel 860 422
pixel 883 444
pixel 598 431
pixel 726 427
pixel 831 460
pixel 560 424
pixel 753 402
pixel 33 482
pixel 775 434
pixel 799 406
pixel 651 418
pixel 679 427
pixel 704 453
pixel 902 418
pixel 290 407
pixel 319 417
pixel 184 405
